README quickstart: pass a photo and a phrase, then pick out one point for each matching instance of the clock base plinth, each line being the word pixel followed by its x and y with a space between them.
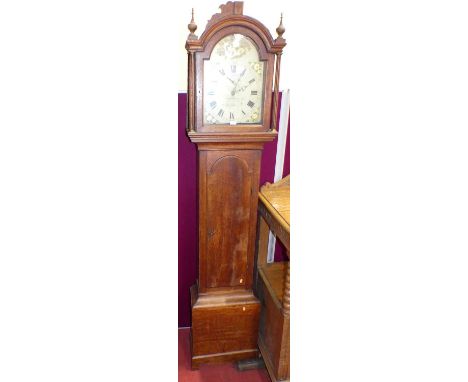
pixel 224 326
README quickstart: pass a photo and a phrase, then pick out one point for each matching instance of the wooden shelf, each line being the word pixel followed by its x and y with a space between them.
pixel 273 276
pixel 273 280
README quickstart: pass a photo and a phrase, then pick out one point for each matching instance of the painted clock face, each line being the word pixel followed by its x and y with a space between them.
pixel 233 83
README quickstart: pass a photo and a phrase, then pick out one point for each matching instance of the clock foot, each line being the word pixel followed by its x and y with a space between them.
pixel 250 364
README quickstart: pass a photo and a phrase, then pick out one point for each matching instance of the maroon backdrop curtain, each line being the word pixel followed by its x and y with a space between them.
pixel 187 205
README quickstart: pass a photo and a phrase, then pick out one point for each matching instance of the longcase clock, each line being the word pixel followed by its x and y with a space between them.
pixel 233 79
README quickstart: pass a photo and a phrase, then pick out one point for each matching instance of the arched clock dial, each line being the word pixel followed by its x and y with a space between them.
pixel 233 83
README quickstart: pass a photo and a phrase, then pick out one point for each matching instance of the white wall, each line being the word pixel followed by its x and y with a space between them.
pixel 268 15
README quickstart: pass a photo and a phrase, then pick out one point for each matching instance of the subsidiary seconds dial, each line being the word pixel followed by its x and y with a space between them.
pixel 233 83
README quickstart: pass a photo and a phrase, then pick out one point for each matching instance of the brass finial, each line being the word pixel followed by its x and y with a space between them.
pixel 281 29
pixel 192 26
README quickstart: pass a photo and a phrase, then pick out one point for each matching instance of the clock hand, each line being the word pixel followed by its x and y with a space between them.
pixel 243 88
pixel 231 80
pixel 223 73
pixel 234 91
pixel 240 77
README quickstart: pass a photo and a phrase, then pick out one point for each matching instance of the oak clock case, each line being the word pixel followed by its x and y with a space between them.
pixel 230 106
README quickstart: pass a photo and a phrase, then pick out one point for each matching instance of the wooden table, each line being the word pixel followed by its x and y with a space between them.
pixel 272 280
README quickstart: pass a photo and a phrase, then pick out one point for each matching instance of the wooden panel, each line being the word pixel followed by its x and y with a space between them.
pixel 271 326
pixel 224 329
pixel 228 187
pixel 228 211
pixel 273 333
pixel 263 231
pixel 224 326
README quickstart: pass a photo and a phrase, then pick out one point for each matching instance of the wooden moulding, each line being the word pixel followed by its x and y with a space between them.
pixel 232 14
pixel 221 298
pixel 239 137
pixel 229 146
pixel 223 357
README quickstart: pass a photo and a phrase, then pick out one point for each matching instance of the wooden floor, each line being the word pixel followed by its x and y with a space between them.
pixel 212 373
